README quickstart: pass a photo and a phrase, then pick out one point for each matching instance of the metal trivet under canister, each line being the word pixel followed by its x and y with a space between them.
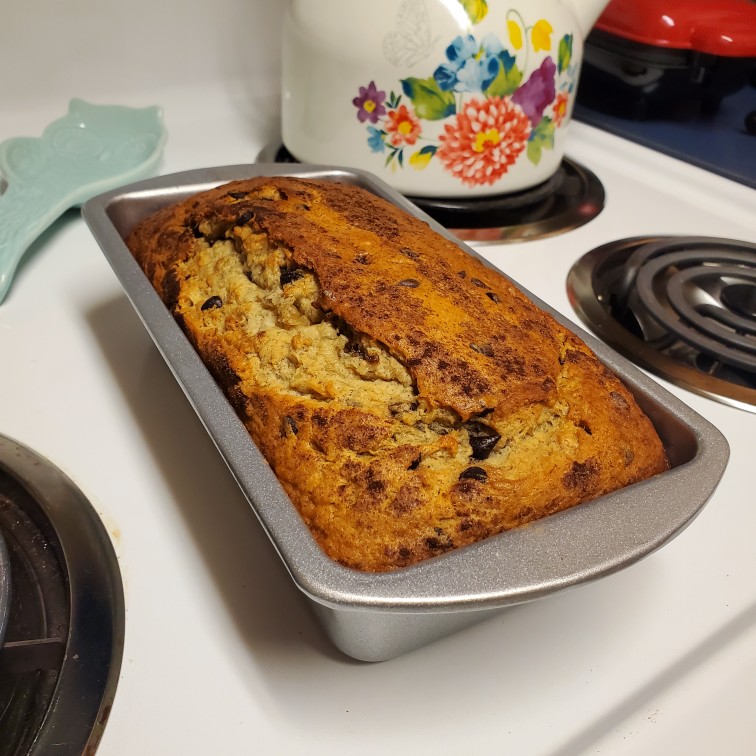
pixel 682 307
pixel 568 199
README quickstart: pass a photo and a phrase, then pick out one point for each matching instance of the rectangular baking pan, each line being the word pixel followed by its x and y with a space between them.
pixel 371 616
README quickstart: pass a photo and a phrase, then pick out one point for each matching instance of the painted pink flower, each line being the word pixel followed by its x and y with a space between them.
pixel 402 126
pixel 485 138
pixel 560 108
pixel 369 104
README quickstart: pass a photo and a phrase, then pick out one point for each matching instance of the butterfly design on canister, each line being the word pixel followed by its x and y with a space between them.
pixel 411 40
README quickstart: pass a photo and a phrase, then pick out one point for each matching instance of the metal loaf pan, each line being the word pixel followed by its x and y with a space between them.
pixel 374 617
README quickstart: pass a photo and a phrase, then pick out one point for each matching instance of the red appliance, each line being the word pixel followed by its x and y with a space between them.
pixel 644 56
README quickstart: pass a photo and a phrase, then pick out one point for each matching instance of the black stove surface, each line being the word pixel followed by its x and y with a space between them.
pixel 568 199
pixel 683 307
pixel 723 142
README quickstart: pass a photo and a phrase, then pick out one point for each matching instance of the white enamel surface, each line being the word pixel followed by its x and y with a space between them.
pixel 586 12
pixel 222 655
pixel 332 48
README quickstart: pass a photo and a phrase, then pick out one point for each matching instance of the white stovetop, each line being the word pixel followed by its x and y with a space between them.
pixel 222 654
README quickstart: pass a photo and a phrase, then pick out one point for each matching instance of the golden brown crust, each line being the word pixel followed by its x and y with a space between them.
pixel 409 398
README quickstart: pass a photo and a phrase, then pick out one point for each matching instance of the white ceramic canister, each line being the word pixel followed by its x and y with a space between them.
pixel 440 98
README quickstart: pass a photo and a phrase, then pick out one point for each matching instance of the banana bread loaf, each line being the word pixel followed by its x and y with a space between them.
pixel 410 399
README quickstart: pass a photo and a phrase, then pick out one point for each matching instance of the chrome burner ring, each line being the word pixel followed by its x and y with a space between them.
pixel 712 279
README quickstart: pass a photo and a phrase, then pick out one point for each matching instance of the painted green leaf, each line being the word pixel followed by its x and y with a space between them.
pixel 508 78
pixel 430 102
pixel 475 9
pixel 565 52
pixel 541 138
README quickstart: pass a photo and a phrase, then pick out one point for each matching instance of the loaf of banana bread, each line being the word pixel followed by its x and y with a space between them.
pixel 409 398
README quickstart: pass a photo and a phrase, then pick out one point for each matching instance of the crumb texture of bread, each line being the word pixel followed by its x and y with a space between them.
pixel 410 399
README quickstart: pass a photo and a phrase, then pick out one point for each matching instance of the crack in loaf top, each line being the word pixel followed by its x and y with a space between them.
pixel 471 341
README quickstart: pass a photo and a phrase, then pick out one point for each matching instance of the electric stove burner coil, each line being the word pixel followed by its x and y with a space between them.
pixel 683 307
pixel 568 199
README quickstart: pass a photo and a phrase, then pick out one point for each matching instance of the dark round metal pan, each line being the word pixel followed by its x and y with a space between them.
pixel 5 587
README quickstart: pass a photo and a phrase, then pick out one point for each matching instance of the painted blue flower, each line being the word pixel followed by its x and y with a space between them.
pixel 471 67
pixel 375 139
pixel 461 49
pixel 446 77
pixel 477 75
pixel 492 45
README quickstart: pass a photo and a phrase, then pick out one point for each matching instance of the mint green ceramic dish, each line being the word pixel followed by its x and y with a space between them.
pixel 90 150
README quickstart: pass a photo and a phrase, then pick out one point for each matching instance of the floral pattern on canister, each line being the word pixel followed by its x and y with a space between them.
pixel 496 104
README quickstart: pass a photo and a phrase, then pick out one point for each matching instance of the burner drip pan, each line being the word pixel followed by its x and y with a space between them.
pixel 61 655
pixel 570 198
pixel 682 307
